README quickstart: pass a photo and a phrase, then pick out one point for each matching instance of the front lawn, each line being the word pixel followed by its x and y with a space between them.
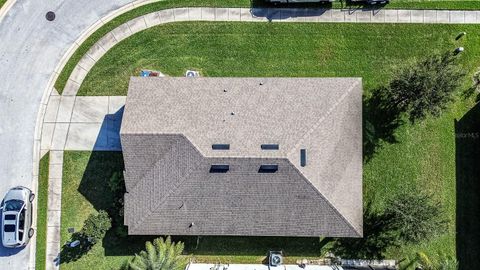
pixel 369 51
pixel 424 157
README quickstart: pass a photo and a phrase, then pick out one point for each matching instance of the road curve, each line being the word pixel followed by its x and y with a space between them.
pixel 30 49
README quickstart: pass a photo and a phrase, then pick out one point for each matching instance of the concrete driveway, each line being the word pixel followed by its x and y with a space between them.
pixel 30 49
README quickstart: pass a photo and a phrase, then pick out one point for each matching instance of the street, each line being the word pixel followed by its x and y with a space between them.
pixel 30 49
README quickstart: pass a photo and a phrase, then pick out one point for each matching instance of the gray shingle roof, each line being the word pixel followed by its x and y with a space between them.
pixel 170 124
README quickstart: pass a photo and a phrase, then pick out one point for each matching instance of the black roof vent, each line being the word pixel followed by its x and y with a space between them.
pixel 268 168
pixel 221 146
pixel 303 157
pixel 219 168
pixel 270 146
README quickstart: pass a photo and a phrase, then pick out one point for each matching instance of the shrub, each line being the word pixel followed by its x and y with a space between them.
pixel 96 226
pixel 116 183
pixel 159 255
pixel 416 216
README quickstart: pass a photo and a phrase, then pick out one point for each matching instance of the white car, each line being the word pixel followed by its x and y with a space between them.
pixel 17 217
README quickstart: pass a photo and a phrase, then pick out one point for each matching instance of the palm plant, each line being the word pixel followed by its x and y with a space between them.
pixel 159 255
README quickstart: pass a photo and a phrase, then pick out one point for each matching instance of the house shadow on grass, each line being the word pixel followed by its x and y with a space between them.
pixel 467 163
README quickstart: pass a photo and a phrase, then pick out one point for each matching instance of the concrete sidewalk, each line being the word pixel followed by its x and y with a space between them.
pixel 74 123
pixel 82 123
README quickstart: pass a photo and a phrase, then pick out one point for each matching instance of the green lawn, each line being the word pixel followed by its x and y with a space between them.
pixel 42 201
pixel 275 49
pixel 2 2
pixel 85 46
pixel 425 155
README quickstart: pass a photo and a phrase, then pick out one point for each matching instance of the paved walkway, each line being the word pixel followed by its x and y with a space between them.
pixel 92 123
pixel 74 123
pixel 82 123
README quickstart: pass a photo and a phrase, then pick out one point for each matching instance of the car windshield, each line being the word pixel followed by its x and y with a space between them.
pixel 13 205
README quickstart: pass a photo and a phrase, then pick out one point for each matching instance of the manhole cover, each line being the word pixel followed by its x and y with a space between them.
pixel 50 16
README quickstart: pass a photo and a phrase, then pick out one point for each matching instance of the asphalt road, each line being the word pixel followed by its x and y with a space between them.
pixel 30 49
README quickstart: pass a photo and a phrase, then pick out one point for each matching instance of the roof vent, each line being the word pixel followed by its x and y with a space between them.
pixel 221 146
pixel 219 168
pixel 270 146
pixel 268 168
pixel 303 157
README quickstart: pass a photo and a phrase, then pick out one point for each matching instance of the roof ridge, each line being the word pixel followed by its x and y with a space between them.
pixel 310 131
pixel 326 199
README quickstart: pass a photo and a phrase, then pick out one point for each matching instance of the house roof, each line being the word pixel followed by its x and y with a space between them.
pixel 169 127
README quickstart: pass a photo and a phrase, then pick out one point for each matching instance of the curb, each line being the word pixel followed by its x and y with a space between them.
pixel 50 86
pixel 5 8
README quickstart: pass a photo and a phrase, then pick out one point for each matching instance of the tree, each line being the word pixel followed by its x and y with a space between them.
pixel 96 226
pixel 159 255
pixel 94 229
pixel 415 216
pixel 426 86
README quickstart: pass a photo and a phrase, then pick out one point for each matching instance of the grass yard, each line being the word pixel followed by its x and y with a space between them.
pixel 434 4
pixel 85 46
pixel 370 51
pixel 42 201
pixel 426 156
pixel 2 2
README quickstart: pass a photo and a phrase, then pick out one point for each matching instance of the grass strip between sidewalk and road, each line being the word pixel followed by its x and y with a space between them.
pixel 42 206
pixel 97 35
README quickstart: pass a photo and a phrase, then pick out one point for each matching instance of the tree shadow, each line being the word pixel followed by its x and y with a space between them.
pixel 467 164
pixel 71 254
pixel 377 237
pixel 381 119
